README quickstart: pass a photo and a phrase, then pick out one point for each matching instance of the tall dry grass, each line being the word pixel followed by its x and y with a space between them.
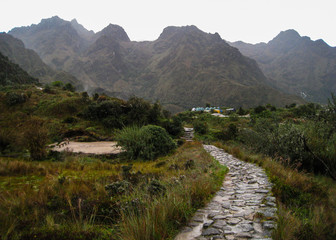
pixel 70 200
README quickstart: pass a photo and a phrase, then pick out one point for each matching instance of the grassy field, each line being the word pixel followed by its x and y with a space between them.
pixel 90 198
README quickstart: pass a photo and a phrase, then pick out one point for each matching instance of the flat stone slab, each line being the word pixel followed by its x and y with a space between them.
pixel 210 232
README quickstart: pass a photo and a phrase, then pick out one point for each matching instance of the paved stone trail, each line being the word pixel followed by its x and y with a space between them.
pixel 188 134
pixel 242 209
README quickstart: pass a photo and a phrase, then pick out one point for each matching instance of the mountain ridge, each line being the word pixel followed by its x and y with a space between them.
pixel 296 64
pixel 184 67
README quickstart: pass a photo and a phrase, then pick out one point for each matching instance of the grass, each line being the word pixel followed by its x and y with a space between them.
pixel 68 199
pixel 306 203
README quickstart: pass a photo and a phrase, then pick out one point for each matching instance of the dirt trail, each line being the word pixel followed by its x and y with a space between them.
pixel 88 147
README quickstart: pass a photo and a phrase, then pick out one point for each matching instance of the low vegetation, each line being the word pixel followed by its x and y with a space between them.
pixel 296 145
pixel 90 198
pixel 148 192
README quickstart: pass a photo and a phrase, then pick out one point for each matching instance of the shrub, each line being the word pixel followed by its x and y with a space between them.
pixel 35 138
pixel 200 127
pixel 307 110
pixel 147 142
pixel 241 111
pixel 131 140
pixel 110 113
pixel 47 89
pixel 70 120
pixel 15 98
pixel 57 84
pixel 118 188
pixel 5 140
pixel 157 141
pixel 259 109
pixel 85 97
pixel 174 126
pixel 154 113
pixel 156 188
pixel 69 87
pixel 138 111
pixel 95 96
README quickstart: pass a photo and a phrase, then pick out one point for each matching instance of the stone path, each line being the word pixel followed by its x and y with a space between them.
pixel 243 208
pixel 188 134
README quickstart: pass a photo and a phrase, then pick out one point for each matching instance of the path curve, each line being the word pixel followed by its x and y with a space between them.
pixel 243 208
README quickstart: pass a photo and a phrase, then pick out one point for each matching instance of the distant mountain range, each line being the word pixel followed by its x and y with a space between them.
pixel 184 67
pixel 296 64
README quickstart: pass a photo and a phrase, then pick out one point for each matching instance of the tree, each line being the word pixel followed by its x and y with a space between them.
pixel 154 113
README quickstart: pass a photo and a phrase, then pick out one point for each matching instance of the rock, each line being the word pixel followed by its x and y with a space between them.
pixel 219 224
pixel 211 231
pixel 226 205
pixel 244 235
pixel 207 224
pixel 247 227
pixel 219 217
pixel 233 221
pixel 268 225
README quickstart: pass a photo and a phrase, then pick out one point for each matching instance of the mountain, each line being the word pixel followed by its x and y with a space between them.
pixel 296 65
pixel 30 61
pixel 11 73
pixel 184 67
pixel 55 40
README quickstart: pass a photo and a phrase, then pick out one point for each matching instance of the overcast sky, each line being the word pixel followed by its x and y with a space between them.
pixel 251 21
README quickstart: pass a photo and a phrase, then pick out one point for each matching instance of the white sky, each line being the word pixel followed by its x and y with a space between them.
pixel 251 21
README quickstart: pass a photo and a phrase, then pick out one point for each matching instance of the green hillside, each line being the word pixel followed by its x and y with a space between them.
pixel 29 60
pixel 11 74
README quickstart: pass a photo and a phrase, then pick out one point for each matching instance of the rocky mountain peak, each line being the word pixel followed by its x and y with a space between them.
pixel 287 36
pixel 52 22
pixel 116 32
pixel 172 30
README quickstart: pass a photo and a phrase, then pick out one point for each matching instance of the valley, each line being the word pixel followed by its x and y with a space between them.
pixel 185 137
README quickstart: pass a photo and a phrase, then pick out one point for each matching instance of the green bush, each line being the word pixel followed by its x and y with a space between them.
pixel 173 126
pixel 118 188
pixel 259 109
pixel 69 87
pixel 57 84
pixel 228 134
pixel 47 89
pixel 155 188
pixel 147 142
pixel 13 98
pixel 200 127
pixel 105 109
pixel 138 111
